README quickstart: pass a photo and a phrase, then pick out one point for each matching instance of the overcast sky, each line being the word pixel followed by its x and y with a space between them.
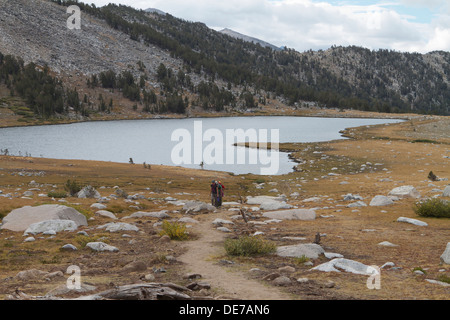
pixel 402 25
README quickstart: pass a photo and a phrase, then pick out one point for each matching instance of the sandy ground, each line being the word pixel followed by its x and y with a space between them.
pixel 373 162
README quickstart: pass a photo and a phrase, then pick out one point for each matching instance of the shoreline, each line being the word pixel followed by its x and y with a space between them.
pixel 317 113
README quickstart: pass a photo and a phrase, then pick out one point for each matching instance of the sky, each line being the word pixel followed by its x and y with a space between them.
pixel 402 25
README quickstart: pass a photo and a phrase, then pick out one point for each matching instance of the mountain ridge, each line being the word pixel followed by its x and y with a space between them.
pixel 211 70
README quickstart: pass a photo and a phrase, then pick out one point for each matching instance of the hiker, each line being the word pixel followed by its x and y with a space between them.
pixel 213 192
pixel 219 194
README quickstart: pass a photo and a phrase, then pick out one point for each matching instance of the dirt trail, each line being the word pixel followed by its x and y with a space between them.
pixel 231 284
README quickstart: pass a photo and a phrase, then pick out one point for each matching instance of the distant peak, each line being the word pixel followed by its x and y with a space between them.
pixel 244 37
pixel 153 10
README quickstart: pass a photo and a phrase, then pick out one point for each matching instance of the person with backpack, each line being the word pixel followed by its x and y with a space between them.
pixel 219 194
pixel 213 192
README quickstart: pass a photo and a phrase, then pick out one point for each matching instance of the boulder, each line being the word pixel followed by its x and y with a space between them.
pixel 31 274
pixel 405 192
pixel 261 199
pixel 345 265
pixel 118 226
pixel 412 221
pixel 187 220
pixel 106 214
pixel 98 206
pixel 309 250
pixel 293 214
pixel 197 206
pixel 55 225
pixel 20 219
pixel 380 201
pixel 446 192
pixel 140 214
pixel 88 192
pixel 445 257
pixel 357 204
pixel 101 246
pixel 274 205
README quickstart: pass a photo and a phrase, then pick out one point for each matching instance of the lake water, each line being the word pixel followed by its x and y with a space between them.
pixel 170 141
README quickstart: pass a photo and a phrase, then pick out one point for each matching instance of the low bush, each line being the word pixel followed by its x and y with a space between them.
pixel 57 194
pixel 248 246
pixel 175 231
pixel 433 208
pixel 72 187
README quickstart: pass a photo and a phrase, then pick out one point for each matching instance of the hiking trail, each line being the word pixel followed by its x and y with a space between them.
pixel 200 258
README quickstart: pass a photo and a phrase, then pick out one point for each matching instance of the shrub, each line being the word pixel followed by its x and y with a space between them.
pixel 433 208
pixel 444 278
pixel 175 231
pixel 57 194
pixel 72 187
pixel 248 246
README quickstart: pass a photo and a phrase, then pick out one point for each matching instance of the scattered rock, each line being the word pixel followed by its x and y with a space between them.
pixel 98 206
pixel 160 215
pixel 101 246
pixel 332 255
pixel 445 257
pixel 282 281
pixel 88 192
pixel 345 265
pixel 412 221
pixel 187 220
pixel 309 250
pixel 64 289
pixel 69 247
pixel 351 197
pixel 197 206
pixel 219 222
pixel 118 226
pixel 387 244
pixel 29 239
pixel 446 192
pixel 293 214
pixel 357 204
pixel 444 284
pixel 135 266
pixel 286 269
pixel 381 201
pixel 405 192
pixel 32 274
pixel 271 276
pixel 106 214
pixel 223 229
pixel 51 225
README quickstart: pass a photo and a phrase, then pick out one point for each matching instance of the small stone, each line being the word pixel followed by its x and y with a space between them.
pixel 282 281
pixel 286 269
pixel 69 247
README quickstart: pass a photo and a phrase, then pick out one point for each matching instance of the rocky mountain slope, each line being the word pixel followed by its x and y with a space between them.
pixel 178 65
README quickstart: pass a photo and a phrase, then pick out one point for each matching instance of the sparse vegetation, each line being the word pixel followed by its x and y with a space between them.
pixel 175 230
pixel 72 187
pixel 249 246
pixel 433 208
pixel 57 194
